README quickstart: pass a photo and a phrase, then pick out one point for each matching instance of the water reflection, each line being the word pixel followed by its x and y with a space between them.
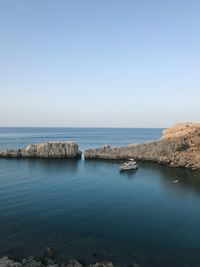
pixel 128 174
pixel 185 176
pixel 79 207
pixel 60 165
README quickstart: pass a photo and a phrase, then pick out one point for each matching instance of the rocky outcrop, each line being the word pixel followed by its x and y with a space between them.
pixel 56 149
pixel 102 264
pixel 178 147
pixel 6 262
pixel 31 262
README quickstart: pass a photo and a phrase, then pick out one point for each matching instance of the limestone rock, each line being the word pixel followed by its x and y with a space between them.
pixel 31 262
pixel 102 264
pixel 178 147
pixel 6 262
pixel 74 263
pixel 56 149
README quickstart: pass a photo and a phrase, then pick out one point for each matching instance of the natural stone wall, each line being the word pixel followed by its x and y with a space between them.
pixel 179 147
pixel 57 149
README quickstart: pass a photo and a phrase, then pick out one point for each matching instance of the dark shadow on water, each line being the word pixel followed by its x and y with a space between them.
pixel 128 174
pixel 59 164
pixel 108 161
pixel 186 177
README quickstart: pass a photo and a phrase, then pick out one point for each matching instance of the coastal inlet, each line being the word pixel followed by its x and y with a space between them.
pixel 178 147
pixel 88 210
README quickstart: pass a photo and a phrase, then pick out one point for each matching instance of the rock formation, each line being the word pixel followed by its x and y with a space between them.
pixel 57 149
pixel 31 262
pixel 178 147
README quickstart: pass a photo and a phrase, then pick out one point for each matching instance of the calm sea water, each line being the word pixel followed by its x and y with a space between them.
pixel 89 209
pixel 85 137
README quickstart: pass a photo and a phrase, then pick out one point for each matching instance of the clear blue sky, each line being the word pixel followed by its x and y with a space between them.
pixel 111 63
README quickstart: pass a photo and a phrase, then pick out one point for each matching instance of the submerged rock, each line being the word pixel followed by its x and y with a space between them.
pixel 56 149
pixel 74 263
pixel 178 147
pixel 102 264
pixel 31 262
pixel 6 262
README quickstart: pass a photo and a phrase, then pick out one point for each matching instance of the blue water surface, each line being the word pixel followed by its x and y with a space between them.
pixel 89 209
pixel 85 137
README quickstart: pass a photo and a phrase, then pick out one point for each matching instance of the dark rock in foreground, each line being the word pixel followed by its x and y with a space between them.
pixel 179 147
pixel 57 149
pixel 31 262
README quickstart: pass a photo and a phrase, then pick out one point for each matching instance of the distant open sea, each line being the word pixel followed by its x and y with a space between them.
pixel 88 209
pixel 85 137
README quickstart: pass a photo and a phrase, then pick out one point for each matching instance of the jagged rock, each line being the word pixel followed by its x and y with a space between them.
pixel 50 263
pixel 49 254
pixel 6 262
pixel 178 147
pixel 56 149
pixel 102 264
pixel 31 262
pixel 74 263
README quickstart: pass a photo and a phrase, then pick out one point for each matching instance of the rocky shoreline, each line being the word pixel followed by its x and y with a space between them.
pixel 178 147
pixel 48 261
pixel 31 262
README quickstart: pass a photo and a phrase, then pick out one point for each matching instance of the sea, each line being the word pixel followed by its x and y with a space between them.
pixel 88 210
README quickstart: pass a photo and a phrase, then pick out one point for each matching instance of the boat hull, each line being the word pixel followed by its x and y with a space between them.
pixel 128 168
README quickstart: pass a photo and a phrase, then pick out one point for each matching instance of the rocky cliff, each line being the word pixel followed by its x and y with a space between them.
pixel 57 149
pixel 178 147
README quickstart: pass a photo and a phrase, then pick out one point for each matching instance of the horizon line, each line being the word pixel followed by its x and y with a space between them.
pixel 84 127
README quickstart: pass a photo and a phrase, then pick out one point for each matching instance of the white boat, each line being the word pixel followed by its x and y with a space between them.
pixel 128 165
